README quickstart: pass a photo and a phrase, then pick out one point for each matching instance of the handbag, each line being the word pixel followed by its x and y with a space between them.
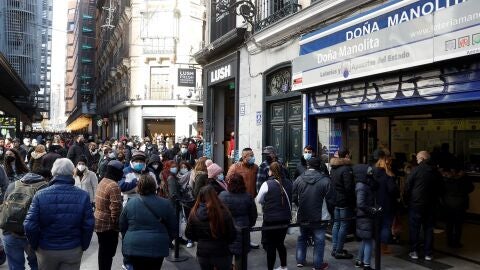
pixel 182 224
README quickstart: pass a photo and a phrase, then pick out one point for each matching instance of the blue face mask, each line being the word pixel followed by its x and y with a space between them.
pixel 137 166
pixel 221 177
pixel 183 170
pixel 173 170
pixel 251 161
pixel 307 156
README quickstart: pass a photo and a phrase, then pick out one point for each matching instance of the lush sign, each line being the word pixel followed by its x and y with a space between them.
pixel 187 77
pixel 394 36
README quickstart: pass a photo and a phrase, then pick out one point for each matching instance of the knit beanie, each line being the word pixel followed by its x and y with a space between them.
pixel 114 170
pixel 214 170
pixel 63 166
pixel 208 162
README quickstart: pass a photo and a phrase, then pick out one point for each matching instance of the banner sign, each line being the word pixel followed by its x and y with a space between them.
pixel 398 35
pixel 187 77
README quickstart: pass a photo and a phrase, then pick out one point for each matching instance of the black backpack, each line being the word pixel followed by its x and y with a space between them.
pixel 15 207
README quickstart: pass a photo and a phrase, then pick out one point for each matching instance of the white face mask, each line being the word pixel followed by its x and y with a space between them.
pixel 81 167
pixel 155 166
pixel 27 143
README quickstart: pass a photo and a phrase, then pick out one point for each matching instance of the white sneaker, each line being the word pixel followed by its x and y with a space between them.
pixel 413 255
pixel 189 244
pixel 281 268
pixel 428 258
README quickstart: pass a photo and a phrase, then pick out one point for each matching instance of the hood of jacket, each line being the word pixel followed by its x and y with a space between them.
pixel 62 179
pixel 37 155
pixel 153 159
pixel 31 178
pixel 312 176
pixel 337 162
pixel 202 213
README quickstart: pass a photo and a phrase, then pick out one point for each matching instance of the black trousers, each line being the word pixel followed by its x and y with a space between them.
pixel 146 263
pixel 107 247
pixel 274 241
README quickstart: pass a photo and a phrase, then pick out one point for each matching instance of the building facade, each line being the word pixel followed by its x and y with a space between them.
pixel 80 99
pixel 26 43
pixel 146 78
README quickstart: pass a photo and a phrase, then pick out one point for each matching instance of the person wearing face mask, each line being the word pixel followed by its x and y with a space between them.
pixel 270 156
pixel 184 155
pixel 216 177
pixel 108 155
pixel 27 147
pixel 78 149
pixel 94 157
pixel 36 160
pixel 131 174
pixel 150 149
pixel 86 179
pixel 16 146
pixel 155 166
pixel 247 168
pixel 14 165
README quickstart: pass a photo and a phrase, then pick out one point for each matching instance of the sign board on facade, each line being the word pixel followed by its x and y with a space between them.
pixel 221 73
pixel 242 109
pixel 258 118
pixel 187 77
pixel 397 35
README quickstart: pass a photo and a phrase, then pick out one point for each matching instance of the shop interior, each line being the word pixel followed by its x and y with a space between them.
pixel 223 122
pixel 160 126
pixel 404 135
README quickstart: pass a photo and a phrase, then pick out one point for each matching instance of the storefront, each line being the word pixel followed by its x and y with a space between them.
pixel 404 76
pixel 221 108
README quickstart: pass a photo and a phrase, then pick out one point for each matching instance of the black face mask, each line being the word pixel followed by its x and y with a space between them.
pixel 269 159
pixel 10 159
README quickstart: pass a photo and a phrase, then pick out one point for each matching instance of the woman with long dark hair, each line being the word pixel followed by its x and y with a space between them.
pixel 14 165
pixel 275 196
pixel 211 225
pixel 243 209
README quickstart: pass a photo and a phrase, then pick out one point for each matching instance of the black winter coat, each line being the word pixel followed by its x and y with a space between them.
pixel 387 193
pixel 365 202
pixel 309 191
pixel 76 151
pixel 244 213
pixel 424 187
pixel 198 229
pixel 343 181
pixel 456 193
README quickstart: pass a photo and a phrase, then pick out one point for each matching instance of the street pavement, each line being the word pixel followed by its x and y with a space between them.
pixel 257 258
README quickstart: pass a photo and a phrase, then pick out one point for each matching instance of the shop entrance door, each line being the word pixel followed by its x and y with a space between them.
pixel 284 131
pixel 362 137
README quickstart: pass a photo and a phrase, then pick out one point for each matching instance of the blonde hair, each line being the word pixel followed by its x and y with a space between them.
pixel 386 164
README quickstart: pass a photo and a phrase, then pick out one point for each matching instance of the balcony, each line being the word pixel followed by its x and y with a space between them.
pixel 270 12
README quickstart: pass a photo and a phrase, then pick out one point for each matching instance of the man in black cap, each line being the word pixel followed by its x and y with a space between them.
pixel 270 155
pixel 132 173
pixel 310 191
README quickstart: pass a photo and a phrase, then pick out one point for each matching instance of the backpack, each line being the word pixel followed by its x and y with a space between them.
pixel 15 207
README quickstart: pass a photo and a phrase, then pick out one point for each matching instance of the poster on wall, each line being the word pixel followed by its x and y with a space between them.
pixel 187 77
pixel 8 126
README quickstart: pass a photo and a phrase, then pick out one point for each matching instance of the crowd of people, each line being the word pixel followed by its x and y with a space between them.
pixel 134 188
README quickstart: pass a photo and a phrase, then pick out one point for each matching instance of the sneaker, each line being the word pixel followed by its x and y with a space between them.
pixel 367 267
pixel 358 264
pixel 343 255
pixel 299 264
pixel 281 268
pixel 323 267
pixel 428 258
pixel 413 255
pixel 189 244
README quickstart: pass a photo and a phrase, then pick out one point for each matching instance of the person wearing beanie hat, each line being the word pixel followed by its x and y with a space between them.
pixel 63 228
pixel 216 177
pixel 108 202
pixel 310 192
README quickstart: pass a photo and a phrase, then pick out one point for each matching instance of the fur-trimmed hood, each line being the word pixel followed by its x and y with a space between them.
pixel 337 162
pixel 37 155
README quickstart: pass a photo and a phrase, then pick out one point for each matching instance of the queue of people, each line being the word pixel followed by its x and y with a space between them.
pixel 123 187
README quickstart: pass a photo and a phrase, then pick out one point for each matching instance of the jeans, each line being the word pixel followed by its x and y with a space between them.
pixel 340 228
pixel 418 220
pixel 69 259
pixel 386 229
pixel 318 247
pixel 107 247
pixel 365 251
pixel 15 248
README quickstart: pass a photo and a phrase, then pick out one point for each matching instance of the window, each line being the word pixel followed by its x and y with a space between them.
pixel 159 84
pixel 71 26
pixel 279 82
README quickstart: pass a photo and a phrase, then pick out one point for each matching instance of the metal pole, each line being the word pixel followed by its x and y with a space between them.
pixel 176 257
pixel 378 254
pixel 245 246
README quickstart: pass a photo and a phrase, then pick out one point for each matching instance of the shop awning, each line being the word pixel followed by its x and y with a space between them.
pixel 11 85
pixel 80 123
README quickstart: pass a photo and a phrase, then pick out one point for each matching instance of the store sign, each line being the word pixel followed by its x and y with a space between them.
pixel 398 35
pixel 221 73
pixel 187 77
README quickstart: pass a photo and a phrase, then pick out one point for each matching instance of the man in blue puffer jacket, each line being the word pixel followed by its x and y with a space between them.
pixel 64 229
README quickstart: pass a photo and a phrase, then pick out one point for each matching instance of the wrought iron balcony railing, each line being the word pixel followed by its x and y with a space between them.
pixel 271 11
